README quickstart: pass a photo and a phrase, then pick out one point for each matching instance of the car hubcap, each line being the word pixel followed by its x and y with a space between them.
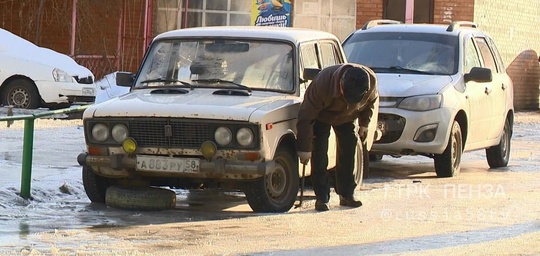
pixel 276 181
pixel 19 98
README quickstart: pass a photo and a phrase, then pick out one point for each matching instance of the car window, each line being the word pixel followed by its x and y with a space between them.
pixel 265 65
pixel 329 56
pixel 308 54
pixel 487 56
pixel 430 53
pixel 498 58
pixel 471 57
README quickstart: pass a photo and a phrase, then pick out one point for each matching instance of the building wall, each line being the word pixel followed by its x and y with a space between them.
pixel 334 16
pixel 513 24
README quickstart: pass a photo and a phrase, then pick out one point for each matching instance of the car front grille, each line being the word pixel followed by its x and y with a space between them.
pixel 391 126
pixel 169 133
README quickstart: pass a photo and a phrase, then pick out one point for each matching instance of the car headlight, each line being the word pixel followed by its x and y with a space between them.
pixel 61 76
pixel 119 133
pixel 244 136
pixel 223 136
pixel 421 103
pixel 100 132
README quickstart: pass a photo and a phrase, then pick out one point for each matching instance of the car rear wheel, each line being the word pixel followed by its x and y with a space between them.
pixel 448 163
pixel 95 186
pixel 498 156
pixel 21 93
pixel 276 191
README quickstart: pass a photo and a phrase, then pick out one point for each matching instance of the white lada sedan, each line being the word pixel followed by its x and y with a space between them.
pixel 212 107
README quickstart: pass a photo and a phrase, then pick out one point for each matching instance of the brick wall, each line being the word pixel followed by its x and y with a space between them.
pixel 513 24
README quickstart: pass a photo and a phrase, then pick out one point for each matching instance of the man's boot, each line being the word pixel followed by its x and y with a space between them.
pixel 321 205
pixel 349 201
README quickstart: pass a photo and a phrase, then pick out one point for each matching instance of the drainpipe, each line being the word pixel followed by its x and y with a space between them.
pixel 120 39
pixel 409 11
pixel 147 24
pixel 185 14
pixel 73 28
pixel 40 12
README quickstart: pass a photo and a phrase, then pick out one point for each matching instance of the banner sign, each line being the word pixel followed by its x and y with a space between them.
pixel 271 13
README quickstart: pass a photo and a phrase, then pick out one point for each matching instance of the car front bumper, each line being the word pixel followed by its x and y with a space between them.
pixel 122 166
pixel 401 127
pixel 61 92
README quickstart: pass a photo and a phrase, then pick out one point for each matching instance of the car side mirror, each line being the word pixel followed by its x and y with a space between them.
pixel 125 79
pixel 310 73
pixel 481 75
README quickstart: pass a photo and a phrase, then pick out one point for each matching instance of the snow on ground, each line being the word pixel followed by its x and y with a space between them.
pixel 58 197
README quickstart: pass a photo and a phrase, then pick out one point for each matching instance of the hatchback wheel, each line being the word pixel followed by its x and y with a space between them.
pixel 448 164
pixel 498 156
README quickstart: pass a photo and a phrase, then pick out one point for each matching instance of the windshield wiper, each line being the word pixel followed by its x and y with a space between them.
pixel 217 80
pixel 165 81
pixel 394 68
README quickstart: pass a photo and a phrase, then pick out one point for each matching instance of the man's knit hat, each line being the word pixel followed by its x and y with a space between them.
pixel 355 84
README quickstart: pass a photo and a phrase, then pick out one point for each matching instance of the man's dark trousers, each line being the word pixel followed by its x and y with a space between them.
pixel 346 139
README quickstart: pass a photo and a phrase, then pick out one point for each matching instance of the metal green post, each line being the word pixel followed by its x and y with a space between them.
pixel 28 146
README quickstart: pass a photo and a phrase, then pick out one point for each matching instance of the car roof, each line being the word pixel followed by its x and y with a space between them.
pixel 454 28
pixel 294 35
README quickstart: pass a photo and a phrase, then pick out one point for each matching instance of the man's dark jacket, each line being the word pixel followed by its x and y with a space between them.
pixel 323 102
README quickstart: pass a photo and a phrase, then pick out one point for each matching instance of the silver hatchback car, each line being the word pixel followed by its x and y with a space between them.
pixel 443 91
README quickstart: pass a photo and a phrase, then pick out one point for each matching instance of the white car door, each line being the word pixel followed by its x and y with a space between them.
pixel 478 97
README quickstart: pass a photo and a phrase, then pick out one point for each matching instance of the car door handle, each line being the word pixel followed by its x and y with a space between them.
pixel 488 90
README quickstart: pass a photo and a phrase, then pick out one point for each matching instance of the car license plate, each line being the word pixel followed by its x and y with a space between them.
pixel 167 164
pixel 88 92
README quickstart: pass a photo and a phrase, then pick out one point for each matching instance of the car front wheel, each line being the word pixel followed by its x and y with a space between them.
pixel 277 190
pixel 21 93
pixel 498 156
pixel 95 186
pixel 448 163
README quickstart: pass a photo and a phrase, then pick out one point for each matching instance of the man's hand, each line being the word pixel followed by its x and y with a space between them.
pixel 362 132
pixel 304 156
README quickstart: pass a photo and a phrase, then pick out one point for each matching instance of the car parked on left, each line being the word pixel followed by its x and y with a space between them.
pixel 32 77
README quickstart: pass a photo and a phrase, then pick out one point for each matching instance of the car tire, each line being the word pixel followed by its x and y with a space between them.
pixel 140 198
pixel 448 164
pixel 21 93
pixel 276 191
pixel 499 155
pixel 358 173
pixel 95 186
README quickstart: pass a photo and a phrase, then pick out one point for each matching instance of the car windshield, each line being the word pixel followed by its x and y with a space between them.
pixel 415 53
pixel 245 65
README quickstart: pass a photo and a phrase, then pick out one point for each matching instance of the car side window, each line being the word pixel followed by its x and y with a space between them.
pixel 487 56
pixel 329 55
pixel 498 58
pixel 471 57
pixel 308 55
pixel 308 59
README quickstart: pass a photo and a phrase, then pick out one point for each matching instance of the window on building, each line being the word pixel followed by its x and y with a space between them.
pixel 171 14
pixel 395 10
pixel 203 13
